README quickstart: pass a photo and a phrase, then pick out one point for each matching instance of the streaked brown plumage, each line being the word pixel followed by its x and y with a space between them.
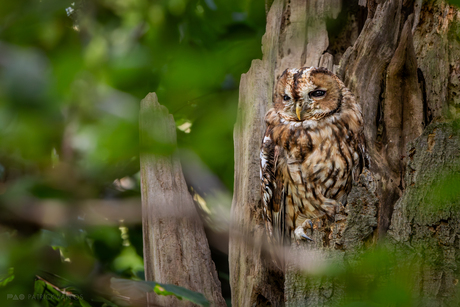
pixel 312 149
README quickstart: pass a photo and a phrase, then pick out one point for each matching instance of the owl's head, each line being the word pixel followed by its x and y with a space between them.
pixel 307 93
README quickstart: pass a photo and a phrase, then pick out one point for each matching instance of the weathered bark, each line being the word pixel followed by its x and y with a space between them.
pixel 402 62
pixel 363 69
pixel 253 279
pixel 403 107
pixel 426 217
pixel 176 250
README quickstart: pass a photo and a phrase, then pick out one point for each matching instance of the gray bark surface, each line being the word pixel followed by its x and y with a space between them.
pixel 176 250
pixel 426 218
pixel 401 59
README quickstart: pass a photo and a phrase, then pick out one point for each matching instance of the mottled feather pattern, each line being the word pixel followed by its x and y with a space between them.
pixel 309 158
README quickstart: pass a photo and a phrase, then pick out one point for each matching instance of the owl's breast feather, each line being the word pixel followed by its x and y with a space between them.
pixel 320 158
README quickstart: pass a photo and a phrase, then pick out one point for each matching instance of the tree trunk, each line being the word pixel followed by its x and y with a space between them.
pixel 426 218
pixel 176 250
pixel 401 59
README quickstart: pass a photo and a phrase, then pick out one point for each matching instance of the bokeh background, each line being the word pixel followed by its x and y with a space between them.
pixel 72 75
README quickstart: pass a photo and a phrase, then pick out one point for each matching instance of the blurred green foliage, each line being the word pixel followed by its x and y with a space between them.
pixel 454 2
pixel 377 277
pixel 79 78
pixel 72 74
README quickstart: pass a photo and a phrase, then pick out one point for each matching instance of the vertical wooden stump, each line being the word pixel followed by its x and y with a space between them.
pixel 254 280
pixel 176 250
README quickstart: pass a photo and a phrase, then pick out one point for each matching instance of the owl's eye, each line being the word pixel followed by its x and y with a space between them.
pixel 317 93
pixel 286 97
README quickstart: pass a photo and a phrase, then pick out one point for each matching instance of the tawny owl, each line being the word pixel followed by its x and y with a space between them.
pixel 312 149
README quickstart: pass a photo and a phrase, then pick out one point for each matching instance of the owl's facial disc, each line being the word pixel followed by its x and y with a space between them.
pixel 307 93
pixel 319 91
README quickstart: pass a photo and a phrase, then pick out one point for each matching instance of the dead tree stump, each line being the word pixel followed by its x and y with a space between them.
pixel 176 250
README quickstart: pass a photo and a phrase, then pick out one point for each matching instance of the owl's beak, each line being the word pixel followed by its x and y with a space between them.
pixel 298 109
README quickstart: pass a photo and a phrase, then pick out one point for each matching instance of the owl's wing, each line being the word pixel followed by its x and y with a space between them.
pixel 272 189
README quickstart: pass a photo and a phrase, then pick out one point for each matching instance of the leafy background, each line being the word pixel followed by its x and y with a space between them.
pixel 72 74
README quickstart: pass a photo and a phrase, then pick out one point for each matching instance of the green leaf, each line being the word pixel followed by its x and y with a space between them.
pixel 7 278
pixel 161 291
pixel 83 303
pixel 49 295
pixel 179 292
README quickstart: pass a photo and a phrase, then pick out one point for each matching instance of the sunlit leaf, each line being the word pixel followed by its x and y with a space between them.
pixel 179 292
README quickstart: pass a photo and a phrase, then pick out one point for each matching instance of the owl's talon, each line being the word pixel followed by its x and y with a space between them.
pixel 299 232
pixel 306 237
